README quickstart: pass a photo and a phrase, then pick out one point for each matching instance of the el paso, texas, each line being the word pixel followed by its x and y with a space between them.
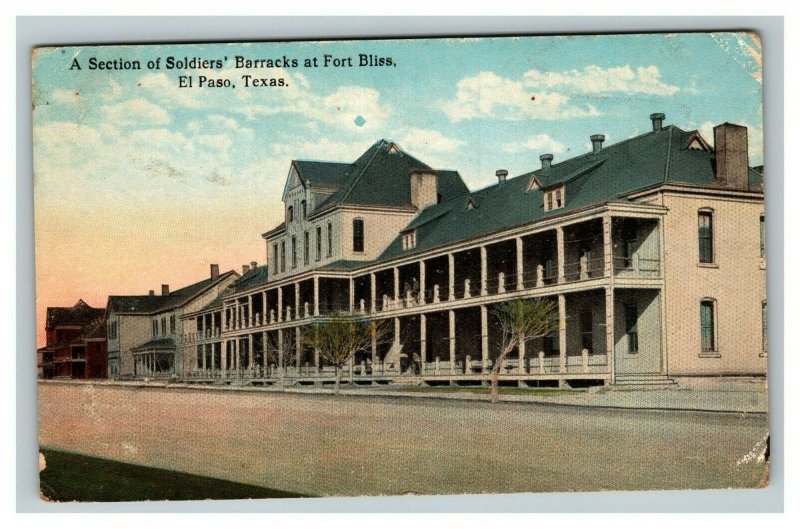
pixel 540 268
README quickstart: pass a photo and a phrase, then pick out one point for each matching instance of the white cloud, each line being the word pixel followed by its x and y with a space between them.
pixel 136 111
pixel 597 80
pixel 543 143
pixel 487 95
pixel 427 140
pixel 165 89
pixel 69 97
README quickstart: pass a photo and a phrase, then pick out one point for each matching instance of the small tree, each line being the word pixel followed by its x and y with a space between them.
pixel 341 336
pixel 521 320
pixel 272 354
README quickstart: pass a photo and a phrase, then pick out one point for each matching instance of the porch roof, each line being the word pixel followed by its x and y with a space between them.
pixel 156 344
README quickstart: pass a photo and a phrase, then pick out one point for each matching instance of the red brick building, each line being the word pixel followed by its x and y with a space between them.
pixel 76 343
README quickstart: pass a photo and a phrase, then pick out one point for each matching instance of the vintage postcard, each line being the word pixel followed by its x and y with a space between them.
pixel 386 267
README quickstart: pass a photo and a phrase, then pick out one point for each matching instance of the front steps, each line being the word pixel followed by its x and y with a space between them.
pixel 644 379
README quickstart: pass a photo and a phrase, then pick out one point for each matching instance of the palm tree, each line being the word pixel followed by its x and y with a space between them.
pixel 521 320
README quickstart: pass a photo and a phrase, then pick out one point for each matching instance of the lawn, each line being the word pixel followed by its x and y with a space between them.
pixel 76 477
pixel 483 390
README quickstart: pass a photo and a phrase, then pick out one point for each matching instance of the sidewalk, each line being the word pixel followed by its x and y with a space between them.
pixel 733 395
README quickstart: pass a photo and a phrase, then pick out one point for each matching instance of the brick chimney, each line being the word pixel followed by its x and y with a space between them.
pixel 245 269
pixel 547 160
pixel 165 290
pixel 424 188
pixel 152 293
pixel 730 146
pixel 501 175
pixel 597 141
pixel 214 271
pixel 253 265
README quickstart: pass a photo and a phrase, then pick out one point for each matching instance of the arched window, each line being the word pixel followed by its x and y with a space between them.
pixel 303 209
pixel 705 235
pixel 763 236
pixel 358 235
pixel 290 214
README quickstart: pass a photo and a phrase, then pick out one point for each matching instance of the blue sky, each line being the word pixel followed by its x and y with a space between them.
pixel 130 168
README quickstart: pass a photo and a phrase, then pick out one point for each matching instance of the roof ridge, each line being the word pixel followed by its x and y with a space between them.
pixel 377 146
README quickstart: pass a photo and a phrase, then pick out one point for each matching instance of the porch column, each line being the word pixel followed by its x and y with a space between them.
pixel 520 270
pixel 237 320
pixel 422 282
pixel 280 304
pixel 298 347
pixel 280 349
pixel 423 343
pixel 608 248
pixel 250 351
pixel 397 332
pixel 264 351
pixel 264 318
pixel 352 295
pixel 560 252
pixel 452 337
pixel 224 356
pixel 297 301
pixel 374 345
pixel 451 276
pixel 484 337
pixel 251 313
pixel 373 289
pixel 224 319
pixel 203 361
pixel 610 331
pixel 316 295
pixel 521 361
pixel 562 333
pixel 236 353
pixel 316 358
pixel 396 285
pixel 484 271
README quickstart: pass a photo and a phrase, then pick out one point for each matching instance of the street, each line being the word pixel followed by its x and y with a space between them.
pixel 349 445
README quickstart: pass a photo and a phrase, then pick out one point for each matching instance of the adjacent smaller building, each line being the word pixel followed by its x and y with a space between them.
pixel 75 344
pixel 143 330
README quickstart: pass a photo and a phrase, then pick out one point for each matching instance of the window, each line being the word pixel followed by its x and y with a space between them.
pixel 330 239
pixel 319 243
pixel 164 326
pixel 283 256
pixel 275 258
pixel 303 209
pixel 294 251
pixel 631 327
pixel 554 199
pixel 549 269
pixel 763 235
pixel 764 326
pixel 410 240
pixel 707 331
pixel 290 214
pixel 705 235
pixel 306 243
pixel 155 328
pixel 358 235
pixel 172 324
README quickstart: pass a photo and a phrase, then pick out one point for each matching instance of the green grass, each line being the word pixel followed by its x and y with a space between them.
pixel 76 477
pixel 481 390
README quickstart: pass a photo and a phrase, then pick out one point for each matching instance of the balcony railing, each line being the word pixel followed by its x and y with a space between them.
pixel 636 266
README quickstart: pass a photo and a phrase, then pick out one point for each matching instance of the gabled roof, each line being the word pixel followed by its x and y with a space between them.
pixel 380 176
pixel 594 178
pixel 79 315
pixel 151 304
pixel 254 277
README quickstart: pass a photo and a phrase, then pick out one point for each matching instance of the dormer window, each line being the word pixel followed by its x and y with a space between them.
pixel 410 240
pixel 554 199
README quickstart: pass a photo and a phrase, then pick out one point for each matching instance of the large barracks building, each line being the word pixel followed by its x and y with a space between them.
pixel 651 248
